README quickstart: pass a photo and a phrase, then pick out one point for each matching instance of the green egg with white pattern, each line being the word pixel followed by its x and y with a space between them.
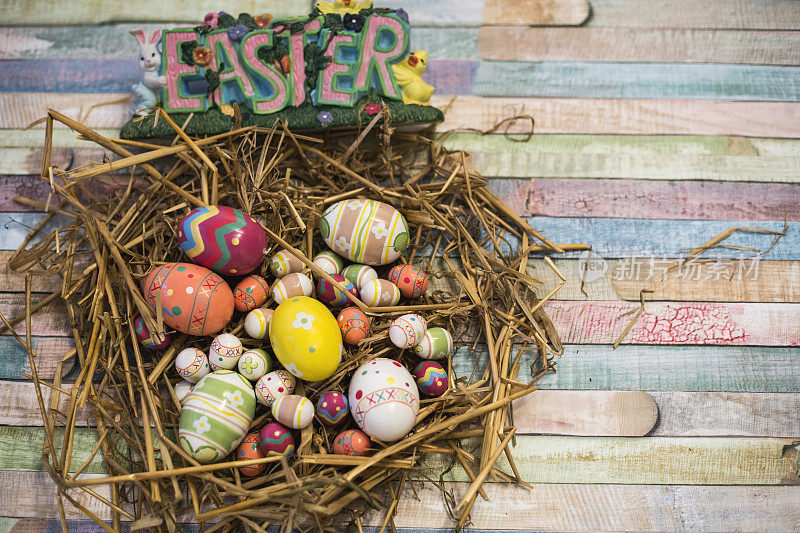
pixel 437 343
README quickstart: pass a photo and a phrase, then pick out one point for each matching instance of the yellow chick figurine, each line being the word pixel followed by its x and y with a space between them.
pixel 408 72
pixel 343 7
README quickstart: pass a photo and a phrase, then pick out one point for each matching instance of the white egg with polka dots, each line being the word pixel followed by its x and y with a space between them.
pixel 384 399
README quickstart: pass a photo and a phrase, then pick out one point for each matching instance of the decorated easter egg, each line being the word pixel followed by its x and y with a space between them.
pixel 365 231
pixel 329 294
pixel 273 385
pixel 358 274
pixel 223 239
pixel 253 364
pixel 306 338
pixel 379 293
pixel 146 339
pixel 293 411
pixel 384 399
pixel 297 284
pixel 431 378
pixel 412 281
pixel 435 344
pixel 332 408
pixel 250 292
pixel 256 322
pixel 250 448
pixel 225 351
pixel 192 364
pixel 182 390
pixel 194 300
pixel 407 330
pixel 354 324
pixel 283 263
pixel 351 442
pixel 329 262
pixel 276 439
pixel 216 416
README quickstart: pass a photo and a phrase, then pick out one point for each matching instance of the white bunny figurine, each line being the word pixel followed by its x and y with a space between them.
pixel 147 93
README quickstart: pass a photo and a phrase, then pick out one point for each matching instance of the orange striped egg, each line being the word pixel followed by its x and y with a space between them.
pixel 379 293
pixel 297 284
pixel 412 281
pixel 250 448
pixel 250 293
pixel 355 325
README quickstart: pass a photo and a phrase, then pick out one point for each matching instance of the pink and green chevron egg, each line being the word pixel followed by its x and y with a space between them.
pixel 431 378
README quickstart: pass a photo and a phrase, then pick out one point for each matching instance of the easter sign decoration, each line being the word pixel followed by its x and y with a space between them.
pixel 337 67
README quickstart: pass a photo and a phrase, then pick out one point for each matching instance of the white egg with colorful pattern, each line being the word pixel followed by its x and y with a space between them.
pixel 407 330
pixel 384 399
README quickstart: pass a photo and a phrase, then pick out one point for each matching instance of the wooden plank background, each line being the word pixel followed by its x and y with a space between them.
pixel 658 125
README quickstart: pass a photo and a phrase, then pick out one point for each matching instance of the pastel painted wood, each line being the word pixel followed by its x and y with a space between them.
pixel 448 13
pixel 29 457
pixel 34 495
pixel 20 405
pixel 49 350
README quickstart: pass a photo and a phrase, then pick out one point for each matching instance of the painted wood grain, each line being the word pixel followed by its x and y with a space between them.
pixel 448 13
pixel 49 351
pixel 29 457
pixel 34 495
pixel 13 281
pixel 50 321
pixel 20 405
pixel 727 14
pixel 669 45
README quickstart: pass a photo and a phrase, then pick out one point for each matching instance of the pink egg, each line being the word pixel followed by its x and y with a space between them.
pixel 412 281
pixel 146 339
pixel 355 325
pixel 276 439
pixel 250 293
pixel 431 378
pixel 332 408
pixel 330 295
pixel 351 442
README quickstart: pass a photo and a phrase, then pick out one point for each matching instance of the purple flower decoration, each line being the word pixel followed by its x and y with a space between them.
pixel 353 22
pixel 325 117
pixel 211 19
pixel 402 15
pixel 237 33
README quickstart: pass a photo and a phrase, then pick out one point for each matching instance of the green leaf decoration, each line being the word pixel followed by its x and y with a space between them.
pixel 202 30
pixel 333 21
pixel 226 21
pixel 247 20
pixel 187 52
pixel 212 78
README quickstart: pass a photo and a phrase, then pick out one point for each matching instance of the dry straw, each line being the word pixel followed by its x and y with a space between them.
pixel 476 249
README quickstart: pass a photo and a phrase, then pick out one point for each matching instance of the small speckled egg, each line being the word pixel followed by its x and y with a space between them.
pixel 250 448
pixel 431 378
pixel 273 385
pixel 359 274
pixel 407 330
pixel 379 293
pixel 146 339
pixel 351 442
pixel 435 344
pixel 256 323
pixel 276 439
pixel 293 411
pixel 412 281
pixel 192 364
pixel 354 324
pixel 306 338
pixel 250 292
pixel 283 263
pixel 194 300
pixel 384 399
pixel 225 351
pixel 182 390
pixel 330 295
pixel 297 284
pixel 253 364
pixel 332 408
pixel 329 262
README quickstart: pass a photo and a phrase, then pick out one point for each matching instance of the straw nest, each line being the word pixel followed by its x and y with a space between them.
pixel 123 216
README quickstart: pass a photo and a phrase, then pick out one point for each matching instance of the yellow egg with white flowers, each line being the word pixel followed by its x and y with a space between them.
pixel 306 338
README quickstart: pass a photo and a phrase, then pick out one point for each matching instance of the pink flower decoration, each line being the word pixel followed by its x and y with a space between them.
pixel 211 19
pixel 373 109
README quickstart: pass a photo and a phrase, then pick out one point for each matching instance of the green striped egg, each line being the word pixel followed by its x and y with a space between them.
pixel 216 416
pixel 435 344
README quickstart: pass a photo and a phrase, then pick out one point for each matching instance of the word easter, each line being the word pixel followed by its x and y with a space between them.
pixel 359 62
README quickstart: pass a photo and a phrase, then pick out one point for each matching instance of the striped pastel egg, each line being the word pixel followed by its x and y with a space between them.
pixel 365 231
pixel 146 339
pixel 250 448
pixel 253 364
pixel 351 442
pixel 224 239
pixel 216 416
pixel 407 330
pixel 297 284
pixel 293 411
pixel 194 300
pixel 182 390
pixel 250 292
pixel 330 295
pixel 359 274
pixel 192 364
pixel 355 325
pixel 276 439
pixel 332 408
pixel 273 385
pixel 412 281
pixel 435 344
pixel 379 293
pixel 329 262
pixel 284 263
pixel 256 323
pixel 431 378
pixel 225 351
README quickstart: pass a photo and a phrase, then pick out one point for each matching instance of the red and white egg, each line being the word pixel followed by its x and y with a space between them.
pixel 192 364
pixel 273 385
pixel 407 330
pixel 225 351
